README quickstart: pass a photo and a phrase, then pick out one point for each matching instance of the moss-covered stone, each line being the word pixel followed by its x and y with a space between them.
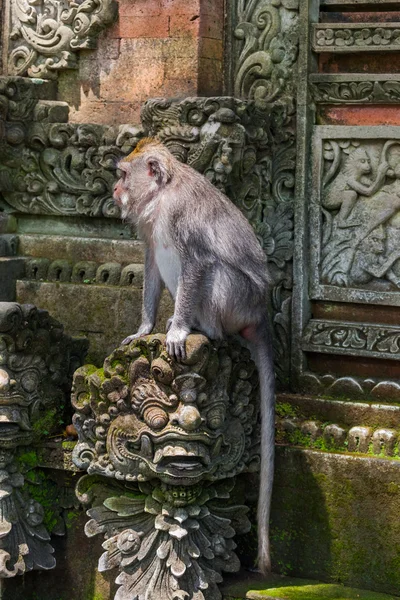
pixel 255 587
pixel 335 518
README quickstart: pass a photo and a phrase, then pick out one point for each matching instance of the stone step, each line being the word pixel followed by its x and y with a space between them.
pixel 276 587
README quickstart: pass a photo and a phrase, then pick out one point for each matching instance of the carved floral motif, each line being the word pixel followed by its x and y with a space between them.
pixel 46 34
pixel 266 47
pixel 367 340
pixel 355 92
pixel 356 37
pixel 173 435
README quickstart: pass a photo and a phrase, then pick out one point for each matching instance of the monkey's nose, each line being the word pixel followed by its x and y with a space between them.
pixel 188 417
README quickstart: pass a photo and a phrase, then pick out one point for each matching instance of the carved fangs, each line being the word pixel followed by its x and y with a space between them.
pixel 196 450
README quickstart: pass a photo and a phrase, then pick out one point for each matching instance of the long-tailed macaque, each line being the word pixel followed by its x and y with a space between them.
pixel 203 249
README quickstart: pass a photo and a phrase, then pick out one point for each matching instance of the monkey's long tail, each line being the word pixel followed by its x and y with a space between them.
pixel 264 360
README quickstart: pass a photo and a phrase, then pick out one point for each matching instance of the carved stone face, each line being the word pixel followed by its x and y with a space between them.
pixel 144 416
pixel 35 361
pixel 15 401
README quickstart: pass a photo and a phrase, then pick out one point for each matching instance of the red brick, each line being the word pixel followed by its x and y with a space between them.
pixel 212 26
pixel 211 48
pixel 210 77
pixel 360 115
pixel 185 25
pixel 177 7
pixel 139 8
pixel 180 88
pixel 106 113
pixel 141 27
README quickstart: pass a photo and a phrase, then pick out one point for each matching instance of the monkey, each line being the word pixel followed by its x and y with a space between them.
pixel 353 181
pixel 202 248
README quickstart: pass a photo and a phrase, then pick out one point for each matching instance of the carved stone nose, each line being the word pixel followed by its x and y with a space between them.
pixel 4 381
pixel 189 418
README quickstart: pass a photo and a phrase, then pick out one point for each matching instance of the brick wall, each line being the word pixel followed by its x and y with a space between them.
pixel 169 48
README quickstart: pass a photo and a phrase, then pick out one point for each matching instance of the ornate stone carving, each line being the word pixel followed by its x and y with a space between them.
pixel 355 89
pixel 66 169
pixel 356 37
pixel 36 362
pixel 369 388
pixel 85 271
pixel 296 431
pixel 265 49
pixel 170 437
pixel 46 35
pixel 357 219
pixel 347 338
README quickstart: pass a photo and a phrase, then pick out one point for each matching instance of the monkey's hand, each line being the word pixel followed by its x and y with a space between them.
pixel 175 342
pixel 144 329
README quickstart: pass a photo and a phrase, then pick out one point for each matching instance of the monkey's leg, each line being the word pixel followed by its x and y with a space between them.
pixel 152 288
pixel 186 303
pixel 349 200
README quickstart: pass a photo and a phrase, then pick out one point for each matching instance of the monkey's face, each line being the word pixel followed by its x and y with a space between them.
pixel 141 178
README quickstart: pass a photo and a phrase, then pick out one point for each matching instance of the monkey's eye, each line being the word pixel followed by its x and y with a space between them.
pixel 121 174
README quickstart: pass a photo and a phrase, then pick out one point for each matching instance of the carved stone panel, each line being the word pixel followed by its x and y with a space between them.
pixel 356 37
pixel 355 214
pixel 348 89
pixel 45 35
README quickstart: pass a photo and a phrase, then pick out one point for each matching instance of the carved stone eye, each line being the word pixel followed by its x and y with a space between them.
pixel 216 416
pixel 155 417
pixel 29 381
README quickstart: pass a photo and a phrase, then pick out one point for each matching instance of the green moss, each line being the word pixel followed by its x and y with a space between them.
pixel 319 591
pixel 28 460
pixel 45 425
pixel 284 409
pixel 69 445
pixel 44 491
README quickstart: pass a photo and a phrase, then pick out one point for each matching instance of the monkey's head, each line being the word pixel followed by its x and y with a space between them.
pixel 144 172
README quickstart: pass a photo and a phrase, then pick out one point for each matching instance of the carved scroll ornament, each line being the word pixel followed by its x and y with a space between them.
pixel 46 34
pixel 167 439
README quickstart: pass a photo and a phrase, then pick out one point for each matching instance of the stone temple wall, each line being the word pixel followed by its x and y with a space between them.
pixel 156 48
pixel 302 77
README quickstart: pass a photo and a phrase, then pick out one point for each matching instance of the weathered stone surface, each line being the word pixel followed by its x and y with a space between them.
pixel 103 314
pixel 36 364
pixel 77 555
pixel 170 437
pixel 335 518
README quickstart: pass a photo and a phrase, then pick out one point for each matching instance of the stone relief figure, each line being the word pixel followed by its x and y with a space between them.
pixel 353 181
pixel 162 442
pixel 360 198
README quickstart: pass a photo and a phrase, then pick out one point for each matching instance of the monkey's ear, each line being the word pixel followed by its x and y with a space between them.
pixel 158 170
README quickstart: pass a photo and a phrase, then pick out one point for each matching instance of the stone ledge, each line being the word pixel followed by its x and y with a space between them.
pixel 276 587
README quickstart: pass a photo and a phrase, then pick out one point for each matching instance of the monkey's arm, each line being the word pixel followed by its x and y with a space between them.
pixel 152 288
pixel 368 190
pixel 185 307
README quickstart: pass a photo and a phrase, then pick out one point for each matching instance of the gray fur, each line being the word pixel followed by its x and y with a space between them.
pixel 221 277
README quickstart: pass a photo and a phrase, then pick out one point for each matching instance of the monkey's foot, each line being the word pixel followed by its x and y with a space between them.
pixel 130 338
pixel 175 343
